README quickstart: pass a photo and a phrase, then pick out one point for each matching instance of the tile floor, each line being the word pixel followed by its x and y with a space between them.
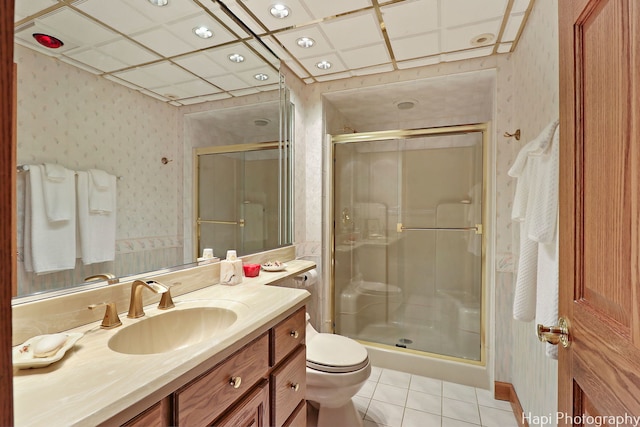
pixel 397 399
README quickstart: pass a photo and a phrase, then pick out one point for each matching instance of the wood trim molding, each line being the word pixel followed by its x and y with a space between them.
pixel 505 391
pixel 7 207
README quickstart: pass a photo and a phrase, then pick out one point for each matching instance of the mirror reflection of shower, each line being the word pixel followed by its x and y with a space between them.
pixel 408 240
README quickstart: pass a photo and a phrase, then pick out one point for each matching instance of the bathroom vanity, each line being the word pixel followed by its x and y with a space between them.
pixel 249 373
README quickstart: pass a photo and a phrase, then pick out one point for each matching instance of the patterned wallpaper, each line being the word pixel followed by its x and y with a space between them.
pixel 81 121
pixel 526 98
pixel 535 102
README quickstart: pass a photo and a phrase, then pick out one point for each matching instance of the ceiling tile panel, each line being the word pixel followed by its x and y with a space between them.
pixel 416 46
pixel 175 9
pixel 184 29
pixel 409 18
pixel 201 64
pixel 462 12
pixel 25 8
pixel 468 54
pixel 353 30
pixel 139 77
pixel 97 59
pixel 227 82
pixel 127 52
pixel 221 56
pixel 75 26
pixel 231 24
pixel 460 38
pixel 326 8
pixel 336 64
pixel 118 14
pixel 520 6
pixel 260 8
pixel 162 41
pixel 365 56
pixel 289 41
pixel 419 62
pixel 512 28
pixel 169 72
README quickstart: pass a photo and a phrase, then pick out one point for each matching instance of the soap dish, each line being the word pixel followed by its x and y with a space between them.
pixel 23 354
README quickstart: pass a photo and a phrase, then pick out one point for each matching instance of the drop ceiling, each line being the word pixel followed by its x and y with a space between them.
pixel 155 51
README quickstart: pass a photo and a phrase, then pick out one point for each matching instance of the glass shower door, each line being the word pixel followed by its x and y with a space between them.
pixel 408 242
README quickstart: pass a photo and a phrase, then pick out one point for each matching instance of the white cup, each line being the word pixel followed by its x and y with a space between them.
pixel 231 255
pixel 207 253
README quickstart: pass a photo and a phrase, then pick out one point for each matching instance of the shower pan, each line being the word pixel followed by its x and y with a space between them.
pixel 408 240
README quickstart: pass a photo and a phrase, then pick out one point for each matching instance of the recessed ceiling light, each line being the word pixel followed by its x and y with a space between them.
pixel 48 41
pixel 324 65
pixel 159 2
pixel 279 11
pixel 261 122
pixel 261 76
pixel 405 104
pixel 482 39
pixel 236 57
pixel 203 32
pixel 305 42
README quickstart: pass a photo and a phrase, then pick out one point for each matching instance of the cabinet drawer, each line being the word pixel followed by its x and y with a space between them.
pixel 299 416
pixel 252 411
pixel 156 416
pixel 204 399
pixel 288 386
pixel 287 335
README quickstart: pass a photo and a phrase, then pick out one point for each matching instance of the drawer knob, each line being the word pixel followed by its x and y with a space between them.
pixel 235 382
pixel 294 334
pixel 295 387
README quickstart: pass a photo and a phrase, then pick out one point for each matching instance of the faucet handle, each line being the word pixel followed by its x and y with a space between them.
pixel 166 302
pixel 111 319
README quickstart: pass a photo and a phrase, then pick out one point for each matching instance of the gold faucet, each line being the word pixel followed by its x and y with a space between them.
pixel 111 319
pixel 110 278
pixel 135 304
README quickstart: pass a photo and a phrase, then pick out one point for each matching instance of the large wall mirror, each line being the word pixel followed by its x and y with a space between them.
pixel 124 94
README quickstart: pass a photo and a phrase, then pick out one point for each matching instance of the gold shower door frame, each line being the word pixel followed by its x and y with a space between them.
pixel 409 134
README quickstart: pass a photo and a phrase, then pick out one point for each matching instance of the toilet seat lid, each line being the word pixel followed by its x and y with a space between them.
pixel 335 353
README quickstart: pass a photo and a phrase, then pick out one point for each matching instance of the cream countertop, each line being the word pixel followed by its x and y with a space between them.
pixel 92 384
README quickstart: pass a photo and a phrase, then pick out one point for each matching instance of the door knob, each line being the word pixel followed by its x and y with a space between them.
pixel 555 334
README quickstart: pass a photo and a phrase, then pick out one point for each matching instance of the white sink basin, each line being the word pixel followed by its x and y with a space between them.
pixel 172 330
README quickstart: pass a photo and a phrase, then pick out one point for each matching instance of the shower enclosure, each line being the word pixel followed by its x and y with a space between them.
pixel 408 239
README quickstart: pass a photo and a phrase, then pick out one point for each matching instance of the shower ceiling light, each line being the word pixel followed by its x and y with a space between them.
pixel 279 11
pixel 324 65
pixel 236 57
pixel 203 32
pixel 261 77
pixel 405 104
pixel 159 2
pixel 482 39
pixel 305 42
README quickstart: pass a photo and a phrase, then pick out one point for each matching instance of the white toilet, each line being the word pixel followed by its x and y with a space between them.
pixel 337 367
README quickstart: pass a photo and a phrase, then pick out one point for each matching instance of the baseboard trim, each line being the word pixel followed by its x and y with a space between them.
pixel 505 391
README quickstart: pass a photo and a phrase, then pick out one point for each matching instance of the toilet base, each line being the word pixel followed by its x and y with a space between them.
pixel 345 415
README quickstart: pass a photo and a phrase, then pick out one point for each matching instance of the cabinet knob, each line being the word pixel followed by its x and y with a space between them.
pixel 295 387
pixel 235 382
pixel 294 334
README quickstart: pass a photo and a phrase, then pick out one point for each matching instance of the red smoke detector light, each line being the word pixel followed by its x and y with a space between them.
pixel 48 41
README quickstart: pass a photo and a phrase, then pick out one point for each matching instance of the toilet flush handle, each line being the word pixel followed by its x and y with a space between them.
pixel 294 334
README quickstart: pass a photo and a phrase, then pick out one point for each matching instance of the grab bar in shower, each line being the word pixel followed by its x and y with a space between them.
pixel 400 228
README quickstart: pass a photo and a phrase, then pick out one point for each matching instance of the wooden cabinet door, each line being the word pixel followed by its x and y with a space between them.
pixel 253 411
pixel 599 373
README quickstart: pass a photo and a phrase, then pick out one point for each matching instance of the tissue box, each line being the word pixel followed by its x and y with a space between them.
pixel 251 270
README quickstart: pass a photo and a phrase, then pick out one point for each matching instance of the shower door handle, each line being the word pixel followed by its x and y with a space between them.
pixel 477 228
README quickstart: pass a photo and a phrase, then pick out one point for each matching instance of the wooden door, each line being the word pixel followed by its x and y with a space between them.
pixel 599 374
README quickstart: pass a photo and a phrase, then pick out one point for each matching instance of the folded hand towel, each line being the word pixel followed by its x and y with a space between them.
pixel 99 179
pixel 102 190
pixel 48 246
pixel 54 172
pixel 97 231
pixel 59 193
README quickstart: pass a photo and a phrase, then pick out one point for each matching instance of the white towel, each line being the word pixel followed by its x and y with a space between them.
pixel 524 299
pixel 97 231
pixel 58 186
pixel 548 285
pixel 48 246
pixel 542 208
pixel 102 190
